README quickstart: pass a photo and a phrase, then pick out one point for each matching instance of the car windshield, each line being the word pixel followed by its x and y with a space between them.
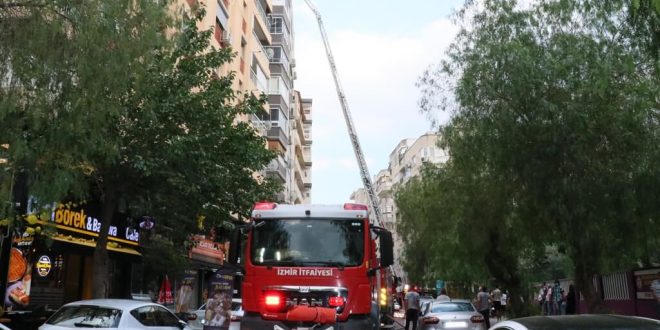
pixel 451 307
pixel 308 242
pixel 86 316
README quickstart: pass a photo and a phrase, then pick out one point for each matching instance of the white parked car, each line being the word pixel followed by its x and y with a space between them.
pixel 113 314
pixel 236 316
pixel 579 322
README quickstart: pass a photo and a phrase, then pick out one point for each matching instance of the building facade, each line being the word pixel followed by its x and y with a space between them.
pixel 260 32
pixel 405 162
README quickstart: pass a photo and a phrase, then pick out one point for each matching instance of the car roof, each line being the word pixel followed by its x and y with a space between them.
pixel 452 301
pixel 586 321
pixel 112 303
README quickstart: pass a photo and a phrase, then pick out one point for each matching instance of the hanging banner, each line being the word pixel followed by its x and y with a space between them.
pixel 19 275
pixel 220 288
pixel 165 292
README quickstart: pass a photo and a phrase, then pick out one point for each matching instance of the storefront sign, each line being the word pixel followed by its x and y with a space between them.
pixel 43 266
pixel 218 307
pixel 206 250
pixel 79 220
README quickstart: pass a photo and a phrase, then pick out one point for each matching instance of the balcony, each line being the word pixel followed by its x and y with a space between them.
pixel 307 135
pixel 307 113
pixel 307 156
pixel 260 125
pixel 298 174
pixel 261 21
pixel 277 133
pixel 277 169
pixel 307 178
pixel 384 189
pixel 279 93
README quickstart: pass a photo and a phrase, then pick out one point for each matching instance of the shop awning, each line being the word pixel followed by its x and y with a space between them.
pixel 87 243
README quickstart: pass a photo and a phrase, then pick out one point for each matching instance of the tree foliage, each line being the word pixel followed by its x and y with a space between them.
pixel 117 102
pixel 553 136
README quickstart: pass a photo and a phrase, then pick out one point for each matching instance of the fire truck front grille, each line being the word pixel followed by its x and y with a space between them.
pixel 312 296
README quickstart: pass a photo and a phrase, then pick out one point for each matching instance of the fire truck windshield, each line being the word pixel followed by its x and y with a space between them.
pixel 308 242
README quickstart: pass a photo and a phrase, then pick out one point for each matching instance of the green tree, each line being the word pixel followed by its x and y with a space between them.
pixel 104 106
pixel 556 103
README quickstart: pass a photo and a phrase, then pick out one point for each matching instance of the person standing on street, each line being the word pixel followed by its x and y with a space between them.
pixel 443 296
pixel 570 300
pixel 483 304
pixel 503 302
pixel 556 298
pixel 411 302
pixel 496 297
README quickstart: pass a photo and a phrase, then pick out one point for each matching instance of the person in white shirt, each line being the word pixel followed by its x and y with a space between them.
pixel 443 296
pixel 503 302
pixel 411 301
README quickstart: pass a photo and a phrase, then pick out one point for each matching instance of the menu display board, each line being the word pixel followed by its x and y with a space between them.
pixel 220 288
pixel 19 274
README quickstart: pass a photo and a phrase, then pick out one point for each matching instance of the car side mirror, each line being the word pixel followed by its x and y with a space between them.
pixel 182 324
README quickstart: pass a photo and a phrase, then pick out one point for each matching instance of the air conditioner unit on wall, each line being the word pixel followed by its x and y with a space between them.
pixel 226 37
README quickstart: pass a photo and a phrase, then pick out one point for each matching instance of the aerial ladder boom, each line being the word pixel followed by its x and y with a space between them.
pixel 364 171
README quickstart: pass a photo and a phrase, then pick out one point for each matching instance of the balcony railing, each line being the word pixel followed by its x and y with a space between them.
pixel 278 166
pixel 260 125
pixel 261 47
pixel 261 12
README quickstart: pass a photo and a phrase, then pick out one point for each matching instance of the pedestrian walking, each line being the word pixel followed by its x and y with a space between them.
pixel 503 302
pixel 547 300
pixel 543 291
pixel 570 300
pixel 483 304
pixel 412 308
pixel 496 298
pixel 556 298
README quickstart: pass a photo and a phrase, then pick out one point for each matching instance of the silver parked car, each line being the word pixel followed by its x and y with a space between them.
pixel 113 314
pixel 451 314
pixel 578 322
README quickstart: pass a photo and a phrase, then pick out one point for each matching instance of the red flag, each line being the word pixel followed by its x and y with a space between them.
pixel 165 292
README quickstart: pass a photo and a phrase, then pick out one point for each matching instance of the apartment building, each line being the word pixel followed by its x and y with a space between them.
pixel 405 162
pixel 260 33
pixel 301 150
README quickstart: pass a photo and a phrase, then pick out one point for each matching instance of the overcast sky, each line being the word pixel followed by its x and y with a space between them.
pixel 380 48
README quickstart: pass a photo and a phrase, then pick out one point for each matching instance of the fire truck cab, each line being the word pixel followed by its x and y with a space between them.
pixel 313 267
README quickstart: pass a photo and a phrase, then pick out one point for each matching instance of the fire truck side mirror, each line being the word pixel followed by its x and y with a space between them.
pixel 386 249
pixel 234 246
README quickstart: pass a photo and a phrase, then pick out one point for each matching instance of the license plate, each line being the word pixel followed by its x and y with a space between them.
pixel 456 324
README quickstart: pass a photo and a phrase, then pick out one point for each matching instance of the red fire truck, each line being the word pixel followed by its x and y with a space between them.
pixel 314 267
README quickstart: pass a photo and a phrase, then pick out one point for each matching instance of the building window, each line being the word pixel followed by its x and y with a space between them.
pixel 276 25
pixel 274 114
